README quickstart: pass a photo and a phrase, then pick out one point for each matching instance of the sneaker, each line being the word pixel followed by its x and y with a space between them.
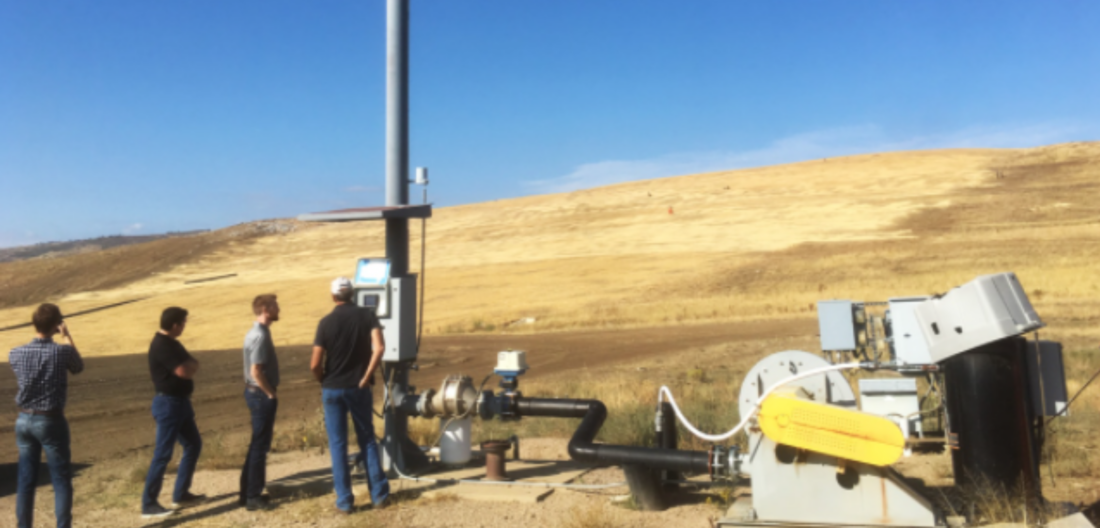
pixel 187 498
pixel 242 501
pixel 345 512
pixel 259 504
pixel 156 511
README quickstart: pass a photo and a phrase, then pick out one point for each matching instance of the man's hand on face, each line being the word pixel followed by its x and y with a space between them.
pixel 63 329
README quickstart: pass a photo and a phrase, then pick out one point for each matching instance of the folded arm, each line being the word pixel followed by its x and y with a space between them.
pixel 187 369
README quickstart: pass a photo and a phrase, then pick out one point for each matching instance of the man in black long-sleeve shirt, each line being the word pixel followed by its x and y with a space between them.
pixel 172 370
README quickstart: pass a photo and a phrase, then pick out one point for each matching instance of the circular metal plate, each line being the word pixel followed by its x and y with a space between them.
pixel 830 387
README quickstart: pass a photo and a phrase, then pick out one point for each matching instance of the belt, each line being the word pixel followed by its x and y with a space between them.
pixel 34 412
pixel 166 395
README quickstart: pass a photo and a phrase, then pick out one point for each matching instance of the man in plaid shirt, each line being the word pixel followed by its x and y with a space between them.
pixel 41 368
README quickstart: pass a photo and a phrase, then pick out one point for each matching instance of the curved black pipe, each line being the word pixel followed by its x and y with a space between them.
pixel 592 414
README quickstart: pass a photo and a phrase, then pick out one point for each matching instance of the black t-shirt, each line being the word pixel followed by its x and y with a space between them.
pixel 345 335
pixel 165 354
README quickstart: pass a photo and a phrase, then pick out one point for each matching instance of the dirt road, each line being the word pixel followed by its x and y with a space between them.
pixel 108 406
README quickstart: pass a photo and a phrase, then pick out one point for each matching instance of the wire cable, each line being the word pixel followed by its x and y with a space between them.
pixel 423 272
pixel 665 391
pixel 1079 391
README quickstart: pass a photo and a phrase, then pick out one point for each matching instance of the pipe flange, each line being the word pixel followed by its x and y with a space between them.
pixel 424 404
pixel 723 462
pixel 456 397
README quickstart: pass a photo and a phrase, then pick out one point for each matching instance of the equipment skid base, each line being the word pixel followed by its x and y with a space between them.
pixel 743 514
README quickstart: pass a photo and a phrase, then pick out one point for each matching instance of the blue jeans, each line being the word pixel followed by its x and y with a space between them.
pixel 254 472
pixel 33 433
pixel 338 403
pixel 175 421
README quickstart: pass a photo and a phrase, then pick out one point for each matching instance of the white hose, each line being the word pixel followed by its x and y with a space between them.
pixel 664 391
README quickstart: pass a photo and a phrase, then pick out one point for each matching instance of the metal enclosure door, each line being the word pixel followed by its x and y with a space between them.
pixel 400 329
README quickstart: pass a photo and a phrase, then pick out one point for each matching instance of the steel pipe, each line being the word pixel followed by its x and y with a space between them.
pixel 583 448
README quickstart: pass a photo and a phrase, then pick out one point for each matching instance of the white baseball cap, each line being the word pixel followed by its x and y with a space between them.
pixel 340 283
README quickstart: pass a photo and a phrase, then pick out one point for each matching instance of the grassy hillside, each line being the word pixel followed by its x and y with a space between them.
pixel 738 245
pixel 55 249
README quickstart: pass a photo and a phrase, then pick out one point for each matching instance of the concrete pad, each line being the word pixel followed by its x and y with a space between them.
pixel 740 511
pixel 1077 520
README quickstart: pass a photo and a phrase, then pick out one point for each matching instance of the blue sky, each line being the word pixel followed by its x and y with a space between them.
pixel 143 117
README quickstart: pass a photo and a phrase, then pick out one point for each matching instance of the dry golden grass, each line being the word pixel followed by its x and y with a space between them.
pixel 740 245
pixel 743 245
pixel 588 515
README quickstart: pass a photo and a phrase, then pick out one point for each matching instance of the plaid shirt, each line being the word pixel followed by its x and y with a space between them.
pixel 41 367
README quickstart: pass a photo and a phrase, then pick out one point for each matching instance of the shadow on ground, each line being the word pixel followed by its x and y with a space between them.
pixel 9 476
pixel 189 514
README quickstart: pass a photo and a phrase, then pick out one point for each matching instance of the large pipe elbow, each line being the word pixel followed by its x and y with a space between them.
pixel 582 446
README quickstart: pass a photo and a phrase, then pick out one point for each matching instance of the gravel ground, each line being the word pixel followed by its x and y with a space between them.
pixel 103 502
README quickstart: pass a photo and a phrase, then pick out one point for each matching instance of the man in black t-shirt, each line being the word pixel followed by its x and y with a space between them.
pixel 346 351
pixel 172 369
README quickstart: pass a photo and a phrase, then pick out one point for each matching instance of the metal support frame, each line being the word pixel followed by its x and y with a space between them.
pixel 793 487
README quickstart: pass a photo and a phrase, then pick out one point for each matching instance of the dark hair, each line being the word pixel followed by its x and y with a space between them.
pixel 345 295
pixel 171 317
pixel 46 318
pixel 266 300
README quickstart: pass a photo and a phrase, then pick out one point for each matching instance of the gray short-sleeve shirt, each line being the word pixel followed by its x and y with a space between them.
pixel 259 350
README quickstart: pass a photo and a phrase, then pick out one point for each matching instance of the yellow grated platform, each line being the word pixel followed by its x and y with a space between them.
pixel 827 429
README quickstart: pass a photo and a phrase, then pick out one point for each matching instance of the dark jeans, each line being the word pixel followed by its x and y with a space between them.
pixel 338 403
pixel 33 433
pixel 175 421
pixel 254 472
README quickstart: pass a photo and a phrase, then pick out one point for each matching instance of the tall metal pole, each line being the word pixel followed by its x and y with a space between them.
pixel 402 452
pixel 397 132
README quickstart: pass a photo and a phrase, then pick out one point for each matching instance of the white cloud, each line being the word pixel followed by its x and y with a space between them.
pixel 801 147
pixel 132 229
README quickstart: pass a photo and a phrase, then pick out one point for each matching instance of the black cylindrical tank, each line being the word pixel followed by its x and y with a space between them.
pixel 990 416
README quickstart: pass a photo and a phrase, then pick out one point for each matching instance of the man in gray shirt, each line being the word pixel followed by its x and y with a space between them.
pixel 261 378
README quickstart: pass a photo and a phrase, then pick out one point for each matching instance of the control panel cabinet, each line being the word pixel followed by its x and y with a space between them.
pixel 399 327
pixel 907 341
pixel 838 325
